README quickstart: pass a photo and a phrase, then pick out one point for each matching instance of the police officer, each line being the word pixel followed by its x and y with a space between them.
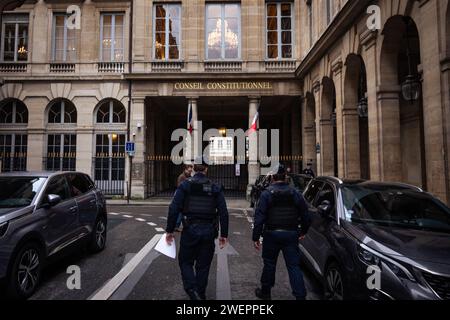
pixel 282 218
pixel 203 206
pixel 309 171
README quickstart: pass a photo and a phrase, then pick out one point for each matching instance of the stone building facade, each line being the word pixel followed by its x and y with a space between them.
pixel 72 97
pixel 351 65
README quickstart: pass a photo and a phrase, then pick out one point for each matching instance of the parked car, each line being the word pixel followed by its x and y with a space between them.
pixel 42 214
pixel 395 231
pixel 297 181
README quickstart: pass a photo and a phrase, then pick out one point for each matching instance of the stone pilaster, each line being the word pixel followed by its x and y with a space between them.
pixel 137 121
pixel 432 91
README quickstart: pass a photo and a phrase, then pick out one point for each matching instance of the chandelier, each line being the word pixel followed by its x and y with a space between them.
pixel 215 36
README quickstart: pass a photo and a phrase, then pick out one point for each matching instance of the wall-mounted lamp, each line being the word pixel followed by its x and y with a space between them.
pixel 139 126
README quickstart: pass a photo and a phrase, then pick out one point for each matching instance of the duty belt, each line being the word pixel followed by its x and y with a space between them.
pixel 200 221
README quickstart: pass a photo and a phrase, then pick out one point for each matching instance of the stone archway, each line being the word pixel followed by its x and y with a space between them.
pixel 404 148
pixel 355 119
pixel 328 136
pixel 309 131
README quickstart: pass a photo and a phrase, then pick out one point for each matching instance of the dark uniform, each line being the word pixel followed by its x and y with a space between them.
pixel 280 212
pixel 309 172
pixel 203 206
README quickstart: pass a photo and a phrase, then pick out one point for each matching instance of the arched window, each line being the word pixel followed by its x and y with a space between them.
pixel 111 111
pixel 13 111
pixel 62 111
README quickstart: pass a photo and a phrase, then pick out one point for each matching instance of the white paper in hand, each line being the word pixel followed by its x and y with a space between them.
pixel 165 249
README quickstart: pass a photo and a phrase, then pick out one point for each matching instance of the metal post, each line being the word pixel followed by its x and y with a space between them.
pixel 129 179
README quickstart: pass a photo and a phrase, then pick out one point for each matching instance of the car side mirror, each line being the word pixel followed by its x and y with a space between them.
pixel 325 208
pixel 53 200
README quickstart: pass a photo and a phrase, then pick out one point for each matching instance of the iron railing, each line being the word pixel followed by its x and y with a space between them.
pixel 11 162
pixel 109 174
pixel 67 162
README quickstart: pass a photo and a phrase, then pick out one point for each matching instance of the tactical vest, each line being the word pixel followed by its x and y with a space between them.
pixel 283 213
pixel 200 201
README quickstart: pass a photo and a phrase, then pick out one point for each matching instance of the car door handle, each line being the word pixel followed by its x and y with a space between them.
pixel 73 209
pixel 93 201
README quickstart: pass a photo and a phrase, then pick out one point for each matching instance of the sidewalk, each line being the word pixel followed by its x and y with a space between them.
pixel 231 203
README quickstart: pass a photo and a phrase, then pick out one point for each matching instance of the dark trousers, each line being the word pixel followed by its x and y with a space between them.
pixel 287 242
pixel 196 252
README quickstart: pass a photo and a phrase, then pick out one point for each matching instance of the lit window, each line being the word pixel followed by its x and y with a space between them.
pixel 166 31
pixel 223 31
pixel 13 152
pixel 61 152
pixel 279 30
pixel 14 38
pixel 112 37
pixel 64 40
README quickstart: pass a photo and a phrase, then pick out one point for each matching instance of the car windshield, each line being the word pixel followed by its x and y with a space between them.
pixel 16 192
pixel 396 207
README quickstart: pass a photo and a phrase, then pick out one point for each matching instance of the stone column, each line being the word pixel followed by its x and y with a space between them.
pixel 85 134
pixel 296 137
pixel 88 49
pixel 40 28
pixel 369 53
pixel 433 108
pixel 194 145
pixel 253 163
pixel 337 77
pixel 326 156
pixel 137 121
pixel 446 120
pixel 36 133
pixel 253 14
pixel 151 149
pixel 308 132
pixel 349 151
pixel 317 99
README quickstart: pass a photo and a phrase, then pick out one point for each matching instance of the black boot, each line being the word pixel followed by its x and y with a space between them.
pixel 263 293
pixel 193 295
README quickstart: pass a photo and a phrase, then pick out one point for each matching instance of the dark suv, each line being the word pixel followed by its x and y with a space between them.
pixel 373 240
pixel 40 215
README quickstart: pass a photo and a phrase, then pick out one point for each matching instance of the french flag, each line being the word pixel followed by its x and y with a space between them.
pixel 190 125
pixel 254 125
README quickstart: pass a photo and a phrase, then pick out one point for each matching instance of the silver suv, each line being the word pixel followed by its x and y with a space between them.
pixel 40 215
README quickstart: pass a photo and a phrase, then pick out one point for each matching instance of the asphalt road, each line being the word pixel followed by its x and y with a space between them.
pixel 129 268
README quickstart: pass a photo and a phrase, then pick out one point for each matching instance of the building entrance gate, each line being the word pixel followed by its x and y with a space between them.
pixel 162 174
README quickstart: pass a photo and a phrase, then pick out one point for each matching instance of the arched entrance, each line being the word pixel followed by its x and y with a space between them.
pixel 355 119
pixel 400 60
pixel 328 133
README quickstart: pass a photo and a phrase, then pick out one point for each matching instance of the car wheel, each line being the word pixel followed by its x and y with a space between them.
pixel 334 283
pixel 26 272
pixel 97 242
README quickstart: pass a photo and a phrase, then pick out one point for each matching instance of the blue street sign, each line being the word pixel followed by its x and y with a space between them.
pixel 130 148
